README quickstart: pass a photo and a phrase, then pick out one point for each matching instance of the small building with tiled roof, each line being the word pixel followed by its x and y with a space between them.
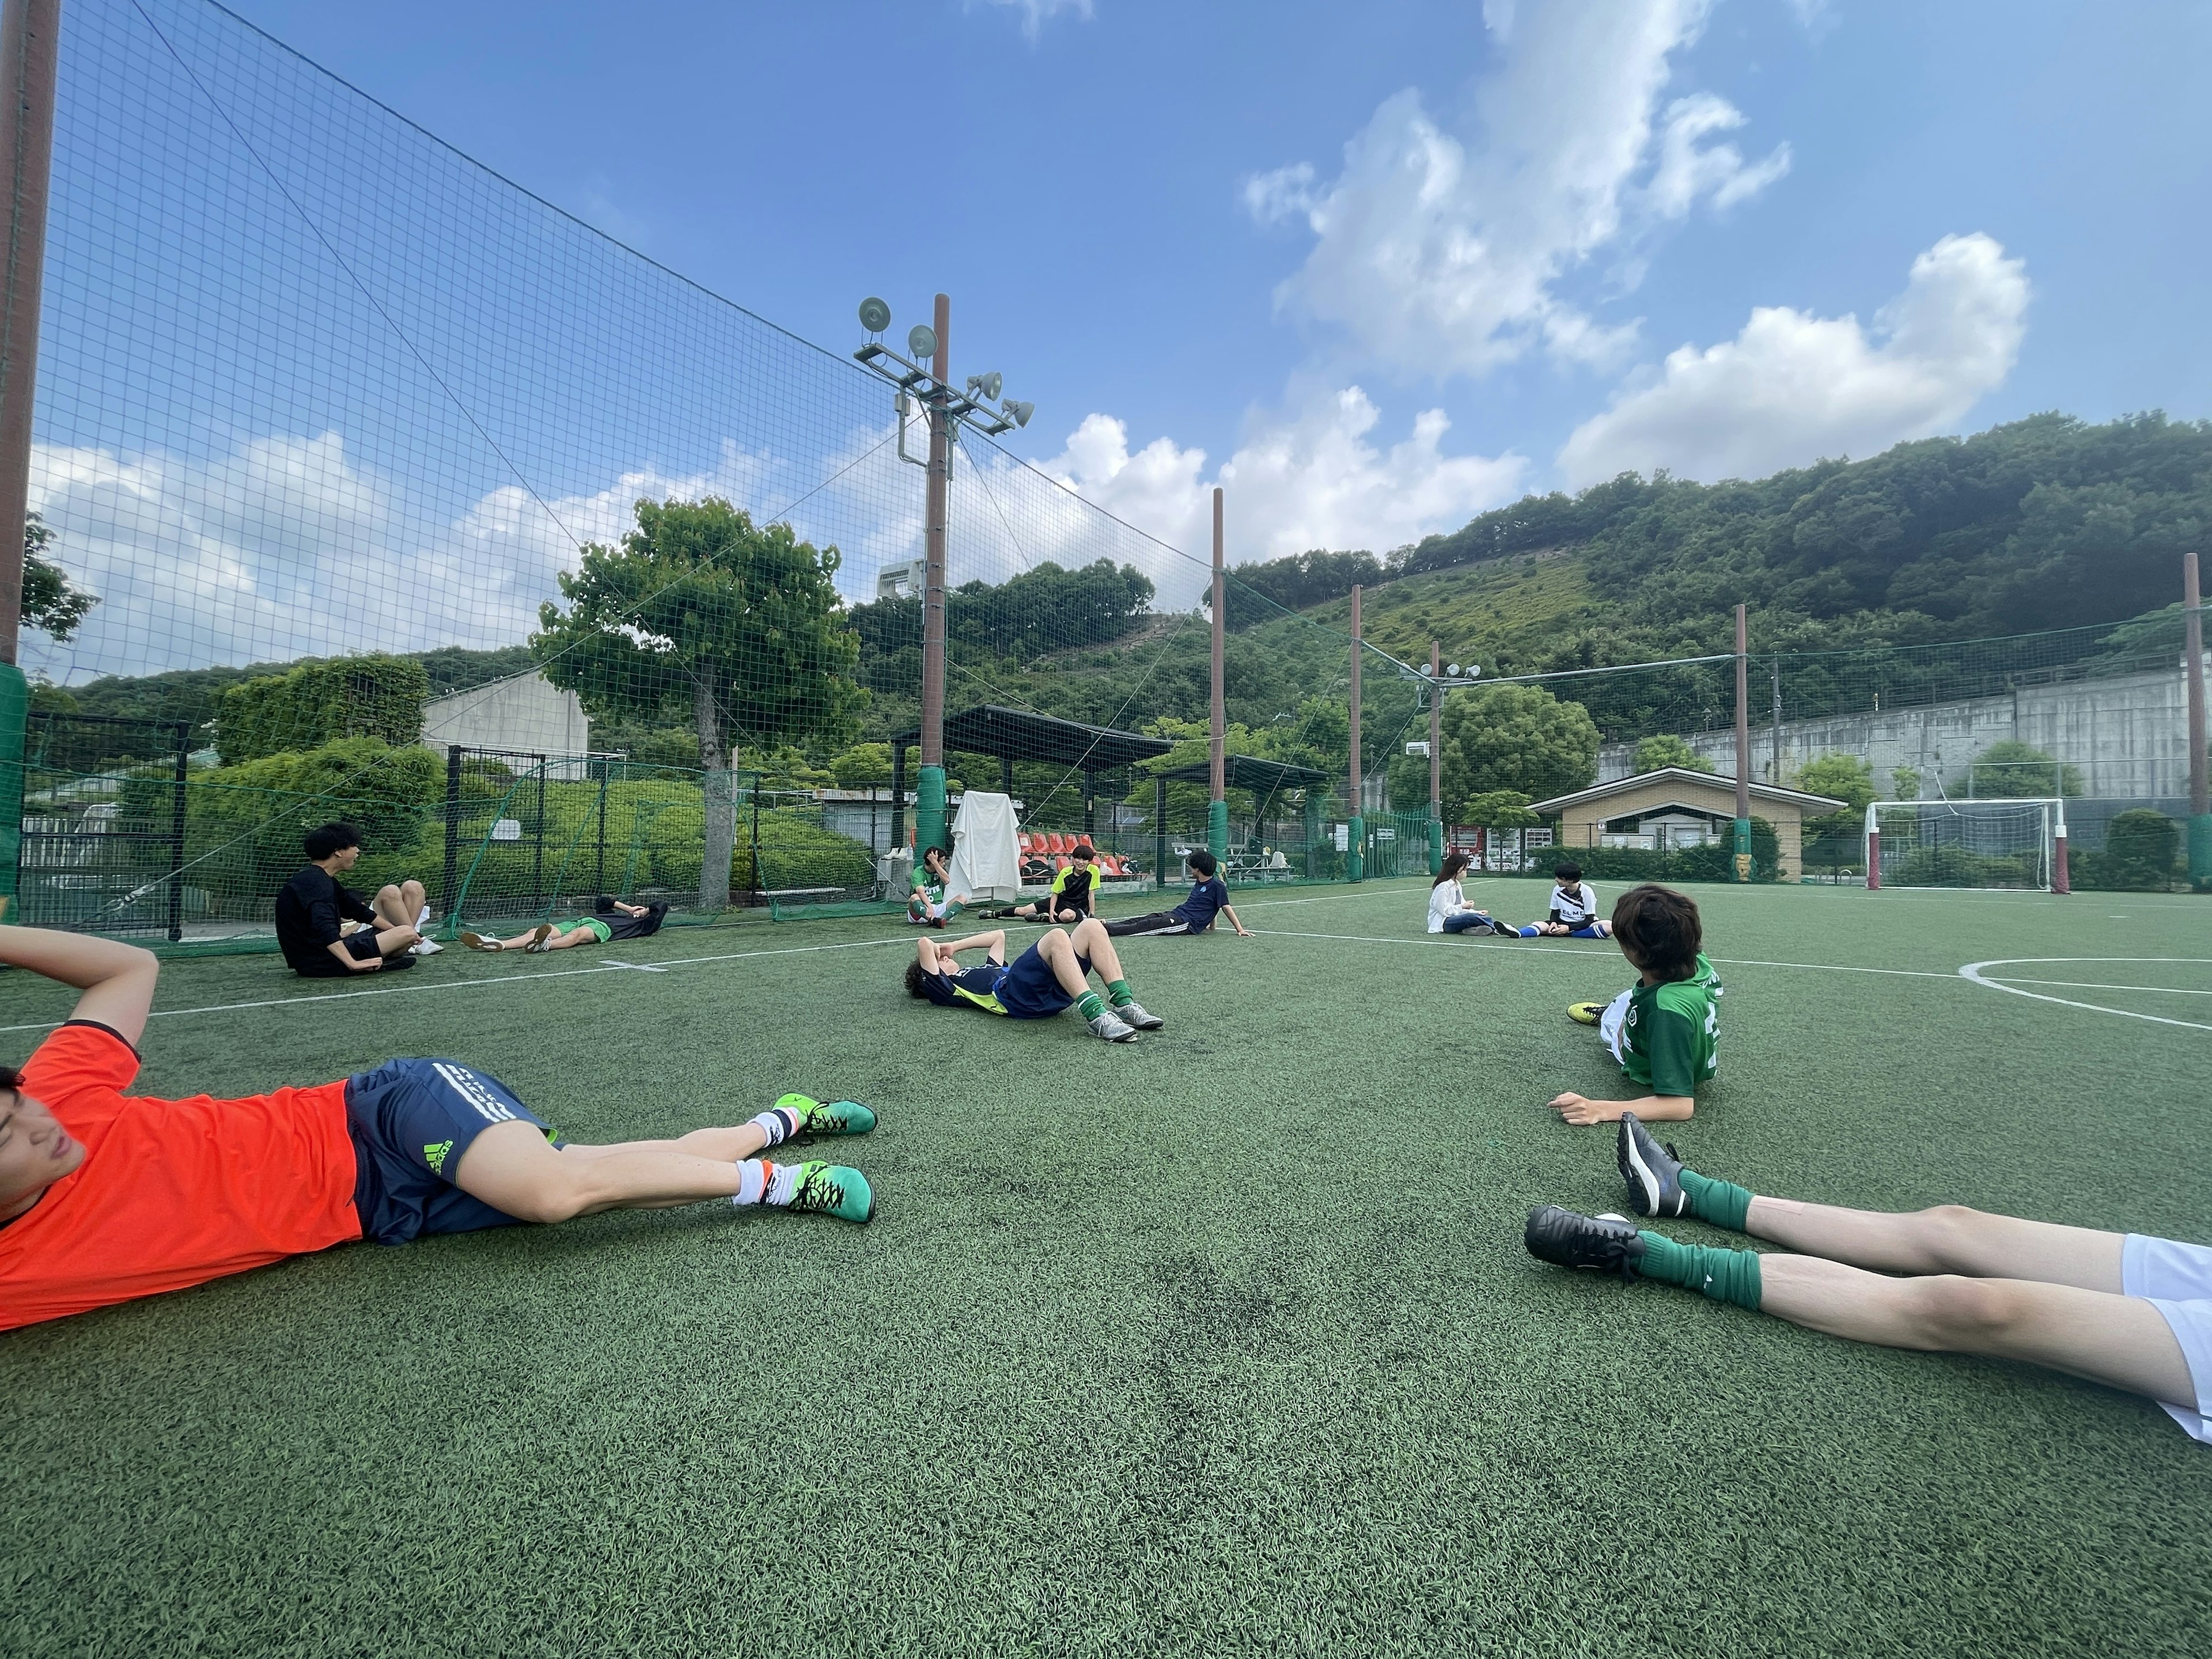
pixel 1675 807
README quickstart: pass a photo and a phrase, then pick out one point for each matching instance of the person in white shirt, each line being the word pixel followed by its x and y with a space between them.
pixel 1573 910
pixel 1450 913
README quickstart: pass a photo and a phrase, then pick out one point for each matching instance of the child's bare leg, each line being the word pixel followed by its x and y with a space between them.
pixel 396 906
pixel 1092 939
pixel 1948 1239
pixel 738 1141
pixel 1059 952
pixel 2119 1341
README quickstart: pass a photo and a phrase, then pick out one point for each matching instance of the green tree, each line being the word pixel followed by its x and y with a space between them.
pixel 864 766
pixel 2010 768
pixel 50 603
pixel 700 610
pixel 1499 809
pixel 2141 847
pixel 1846 777
pixel 1905 782
pixel 1664 749
pixel 1516 737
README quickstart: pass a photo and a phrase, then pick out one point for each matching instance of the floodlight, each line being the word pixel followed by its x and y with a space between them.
pixel 875 315
pixel 1452 669
pixel 920 342
pixel 1020 413
pixel 990 385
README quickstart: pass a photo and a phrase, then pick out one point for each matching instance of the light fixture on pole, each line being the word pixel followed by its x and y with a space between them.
pixel 922 377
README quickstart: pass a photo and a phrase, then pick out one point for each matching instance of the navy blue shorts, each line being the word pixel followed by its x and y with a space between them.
pixel 1031 991
pixel 411 1121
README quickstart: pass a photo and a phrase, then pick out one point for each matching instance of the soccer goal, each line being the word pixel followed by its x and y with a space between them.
pixel 1967 843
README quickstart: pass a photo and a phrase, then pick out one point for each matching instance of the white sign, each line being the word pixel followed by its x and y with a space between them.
pixel 1419 747
pixel 506 829
pixel 1536 837
pixel 1343 836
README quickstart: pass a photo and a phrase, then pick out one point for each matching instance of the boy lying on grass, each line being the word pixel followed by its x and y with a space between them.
pixel 1051 976
pixel 106 1196
pixel 2127 1310
pixel 611 919
pixel 1664 1029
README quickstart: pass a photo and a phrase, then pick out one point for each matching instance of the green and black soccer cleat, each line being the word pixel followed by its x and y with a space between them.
pixel 836 1117
pixel 1653 1172
pixel 1568 1239
pixel 832 1189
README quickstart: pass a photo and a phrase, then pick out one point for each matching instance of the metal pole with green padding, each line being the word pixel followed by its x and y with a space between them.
pixel 1217 762
pixel 2200 806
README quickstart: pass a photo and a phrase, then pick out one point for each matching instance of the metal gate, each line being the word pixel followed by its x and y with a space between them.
pixel 103 825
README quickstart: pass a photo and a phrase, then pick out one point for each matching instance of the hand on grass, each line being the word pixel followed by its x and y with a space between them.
pixel 1580 1108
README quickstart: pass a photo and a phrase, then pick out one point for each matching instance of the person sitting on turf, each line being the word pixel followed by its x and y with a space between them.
pixel 1046 979
pixel 1663 1029
pixel 1069 901
pixel 611 919
pixel 927 906
pixel 1573 910
pixel 106 1196
pixel 324 930
pixel 1209 897
pixel 2127 1310
pixel 1449 910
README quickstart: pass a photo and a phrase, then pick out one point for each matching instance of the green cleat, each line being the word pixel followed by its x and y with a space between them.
pixel 839 1117
pixel 832 1189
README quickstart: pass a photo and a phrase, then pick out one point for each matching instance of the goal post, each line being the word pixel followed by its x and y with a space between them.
pixel 2015 843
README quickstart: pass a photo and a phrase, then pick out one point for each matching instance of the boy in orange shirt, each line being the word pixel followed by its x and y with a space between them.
pixel 106 1196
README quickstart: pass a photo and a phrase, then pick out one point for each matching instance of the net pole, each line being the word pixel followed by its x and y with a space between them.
pixel 1436 759
pixel 1774 754
pixel 2192 667
pixel 2061 879
pixel 1355 832
pixel 1742 751
pixel 30 49
pixel 1217 759
pixel 929 788
pixel 1873 852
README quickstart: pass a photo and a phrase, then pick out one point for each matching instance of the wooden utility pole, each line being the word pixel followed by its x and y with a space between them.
pixel 929 788
pixel 30 39
pixel 1217 761
pixel 2192 665
pixel 1436 759
pixel 1742 751
pixel 1355 844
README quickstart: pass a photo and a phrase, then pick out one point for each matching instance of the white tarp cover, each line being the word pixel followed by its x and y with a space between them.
pixel 986 860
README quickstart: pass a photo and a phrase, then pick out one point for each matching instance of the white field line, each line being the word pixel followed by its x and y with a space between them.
pixel 1528 947
pixel 467 984
pixel 2091 985
pixel 1973 971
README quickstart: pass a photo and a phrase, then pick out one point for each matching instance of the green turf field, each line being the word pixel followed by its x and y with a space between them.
pixel 1221 1342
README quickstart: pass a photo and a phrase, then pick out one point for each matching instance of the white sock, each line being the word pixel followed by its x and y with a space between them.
pixel 782 1183
pixel 752 1181
pixel 424 919
pixel 777 1125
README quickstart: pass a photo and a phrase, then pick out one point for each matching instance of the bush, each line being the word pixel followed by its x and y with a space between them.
pixel 1632 865
pixel 1955 866
pixel 2142 847
pixel 319 702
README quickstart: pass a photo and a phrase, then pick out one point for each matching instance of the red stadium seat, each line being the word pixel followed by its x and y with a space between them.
pixel 1022 844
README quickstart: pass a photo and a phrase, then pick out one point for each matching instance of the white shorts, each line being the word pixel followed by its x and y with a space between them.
pixel 1613 1027
pixel 2176 1279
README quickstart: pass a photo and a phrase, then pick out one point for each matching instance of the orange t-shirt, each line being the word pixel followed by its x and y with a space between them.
pixel 170 1192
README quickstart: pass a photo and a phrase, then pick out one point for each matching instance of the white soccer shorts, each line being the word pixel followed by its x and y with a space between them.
pixel 2176 1279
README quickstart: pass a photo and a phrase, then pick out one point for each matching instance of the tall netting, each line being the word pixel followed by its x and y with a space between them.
pixel 1969 843
pixel 404 498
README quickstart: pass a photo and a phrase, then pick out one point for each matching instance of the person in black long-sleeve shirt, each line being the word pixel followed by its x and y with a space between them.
pixel 314 906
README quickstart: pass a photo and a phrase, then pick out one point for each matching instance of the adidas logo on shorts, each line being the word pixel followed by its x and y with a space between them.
pixel 435 1156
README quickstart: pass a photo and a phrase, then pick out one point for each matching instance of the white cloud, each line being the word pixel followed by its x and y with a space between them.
pixel 1315 480
pixel 1444 252
pixel 1792 388
pixel 1037 13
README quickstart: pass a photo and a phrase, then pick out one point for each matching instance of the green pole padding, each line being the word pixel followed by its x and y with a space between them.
pixel 1743 849
pixel 928 811
pixel 1435 845
pixel 1355 850
pixel 15 717
pixel 2200 852
pixel 1216 829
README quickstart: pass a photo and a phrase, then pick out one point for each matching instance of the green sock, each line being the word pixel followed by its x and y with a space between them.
pixel 1723 1275
pixel 1089 1006
pixel 1118 991
pixel 1720 1202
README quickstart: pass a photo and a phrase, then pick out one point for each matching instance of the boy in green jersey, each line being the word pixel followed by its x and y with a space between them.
pixel 1664 1029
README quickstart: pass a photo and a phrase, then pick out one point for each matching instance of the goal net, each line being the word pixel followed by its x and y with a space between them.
pixel 1967 843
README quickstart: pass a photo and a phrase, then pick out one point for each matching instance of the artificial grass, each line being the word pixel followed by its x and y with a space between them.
pixel 1223 1341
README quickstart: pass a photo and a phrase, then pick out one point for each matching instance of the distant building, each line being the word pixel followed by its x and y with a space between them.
pixel 1675 808
pixel 525 715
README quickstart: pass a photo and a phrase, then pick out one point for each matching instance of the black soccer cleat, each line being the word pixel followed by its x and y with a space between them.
pixel 1653 1172
pixel 1568 1239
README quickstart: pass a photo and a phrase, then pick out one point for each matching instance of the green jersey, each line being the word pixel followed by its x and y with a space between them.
pixel 1673 1031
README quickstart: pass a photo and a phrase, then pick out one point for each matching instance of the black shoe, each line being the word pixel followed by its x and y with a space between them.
pixel 1568 1239
pixel 1653 1173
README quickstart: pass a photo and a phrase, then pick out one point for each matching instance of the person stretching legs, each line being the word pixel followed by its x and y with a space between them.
pixel 2127 1310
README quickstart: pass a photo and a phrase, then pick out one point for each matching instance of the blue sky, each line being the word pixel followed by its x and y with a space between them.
pixel 1371 269
pixel 1088 209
